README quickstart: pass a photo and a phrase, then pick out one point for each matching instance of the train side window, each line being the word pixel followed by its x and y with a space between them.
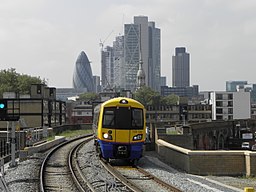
pixel 137 118
pixel 109 117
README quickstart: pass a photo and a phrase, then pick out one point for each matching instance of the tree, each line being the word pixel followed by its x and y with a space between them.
pixel 25 81
pixel 170 100
pixel 11 81
pixel 147 96
pixel 8 80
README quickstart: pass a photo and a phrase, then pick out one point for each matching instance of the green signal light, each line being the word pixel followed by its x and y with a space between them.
pixel 2 105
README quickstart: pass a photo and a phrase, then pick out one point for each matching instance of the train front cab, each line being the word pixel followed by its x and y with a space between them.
pixel 122 134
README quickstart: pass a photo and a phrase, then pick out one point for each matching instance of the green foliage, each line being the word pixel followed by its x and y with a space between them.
pixel 183 100
pixel 88 97
pixel 170 100
pixel 11 81
pixel 147 96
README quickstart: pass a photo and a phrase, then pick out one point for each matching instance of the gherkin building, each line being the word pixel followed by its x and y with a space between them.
pixel 82 77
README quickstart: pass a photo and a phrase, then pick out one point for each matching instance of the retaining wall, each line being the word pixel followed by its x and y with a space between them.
pixel 221 162
pixel 41 147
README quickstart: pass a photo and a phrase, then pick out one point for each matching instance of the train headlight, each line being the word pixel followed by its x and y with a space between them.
pixel 137 137
pixel 107 136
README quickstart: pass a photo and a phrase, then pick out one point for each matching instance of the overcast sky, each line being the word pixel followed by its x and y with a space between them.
pixel 44 37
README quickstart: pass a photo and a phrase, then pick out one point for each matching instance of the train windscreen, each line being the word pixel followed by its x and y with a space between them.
pixel 123 118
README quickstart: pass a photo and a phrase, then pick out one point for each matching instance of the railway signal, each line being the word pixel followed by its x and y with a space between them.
pixel 3 109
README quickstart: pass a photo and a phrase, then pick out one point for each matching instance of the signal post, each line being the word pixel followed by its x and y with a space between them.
pixel 10 112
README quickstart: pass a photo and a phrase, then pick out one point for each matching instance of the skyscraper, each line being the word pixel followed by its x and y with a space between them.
pixel 141 35
pixel 82 76
pixel 143 25
pixel 96 81
pixel 131 55
pixel 144 36
pixel 118 54
pixel 107 68
pixel 154 61
pixel 180 68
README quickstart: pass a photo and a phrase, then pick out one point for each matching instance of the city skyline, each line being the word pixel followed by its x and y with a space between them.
pixel 120 62
pixel 43 38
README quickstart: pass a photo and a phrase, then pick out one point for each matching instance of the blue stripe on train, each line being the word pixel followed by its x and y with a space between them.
pixel 107 148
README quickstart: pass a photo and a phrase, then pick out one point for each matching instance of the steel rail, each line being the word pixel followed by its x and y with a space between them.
pixel 72 161
pixel 161 182
pixel 120 177
pixel 130 184
pixel 50 153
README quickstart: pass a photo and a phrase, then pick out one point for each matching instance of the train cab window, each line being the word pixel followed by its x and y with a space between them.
pixel 137 118
pixel 109 117
pixel 123 118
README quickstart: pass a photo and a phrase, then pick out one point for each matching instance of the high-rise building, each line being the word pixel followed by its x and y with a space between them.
pixel 118 54
pixel 107 68
pixel 131 55
pixel 82 76
pixel 123 58
pixel 180 68
pixel 143 26
pixel 96 82
pixel 154 61
pixel 163 81
pixel 144 36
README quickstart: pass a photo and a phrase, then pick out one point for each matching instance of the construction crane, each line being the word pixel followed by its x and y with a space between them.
pixel 102 42
pixel 102 47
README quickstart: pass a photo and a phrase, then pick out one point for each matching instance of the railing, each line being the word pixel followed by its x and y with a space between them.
pixel 5 147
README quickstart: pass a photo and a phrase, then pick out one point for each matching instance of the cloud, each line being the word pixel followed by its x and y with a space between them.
pixel 44 37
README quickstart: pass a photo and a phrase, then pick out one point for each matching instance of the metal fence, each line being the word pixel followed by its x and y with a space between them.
pixel 5 147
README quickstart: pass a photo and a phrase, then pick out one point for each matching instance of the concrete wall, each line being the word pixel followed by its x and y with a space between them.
pixel 250 163
pixel 231 163
pixel 44 146
pixel 185 141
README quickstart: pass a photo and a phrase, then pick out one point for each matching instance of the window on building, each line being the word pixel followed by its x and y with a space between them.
pixel 219 96
pixel 219 111
pixel 219 103
pixel 219 117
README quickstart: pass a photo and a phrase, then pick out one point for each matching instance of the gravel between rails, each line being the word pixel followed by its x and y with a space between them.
pixel 25 176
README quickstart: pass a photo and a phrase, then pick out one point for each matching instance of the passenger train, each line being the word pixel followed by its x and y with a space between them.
pixel 120 129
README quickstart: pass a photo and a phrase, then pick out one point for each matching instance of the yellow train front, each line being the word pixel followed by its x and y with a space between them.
pixel 120 128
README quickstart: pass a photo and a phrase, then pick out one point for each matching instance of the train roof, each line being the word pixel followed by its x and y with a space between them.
pixel 121 101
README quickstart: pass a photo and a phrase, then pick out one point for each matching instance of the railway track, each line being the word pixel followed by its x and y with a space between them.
pixel 57 172
pixel 74 166
pixel 137 179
